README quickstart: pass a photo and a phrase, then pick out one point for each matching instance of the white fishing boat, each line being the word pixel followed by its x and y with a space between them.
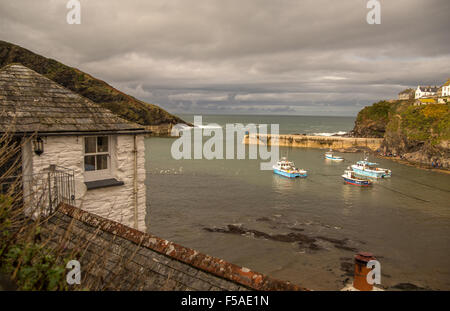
pixel 350 178
pixel 329 155
pixel 370 169
pixel 287 169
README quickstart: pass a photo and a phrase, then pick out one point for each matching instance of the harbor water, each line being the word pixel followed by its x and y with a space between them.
pixel 303 230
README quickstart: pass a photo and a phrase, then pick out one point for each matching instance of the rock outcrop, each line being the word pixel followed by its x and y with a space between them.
pixel 418 134
pixel 372 120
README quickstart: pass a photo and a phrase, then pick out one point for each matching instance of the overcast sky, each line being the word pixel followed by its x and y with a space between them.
pixel 306 57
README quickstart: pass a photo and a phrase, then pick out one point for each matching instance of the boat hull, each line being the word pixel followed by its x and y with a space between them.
pixel 334 158
pixel 357 182
pixel 287 174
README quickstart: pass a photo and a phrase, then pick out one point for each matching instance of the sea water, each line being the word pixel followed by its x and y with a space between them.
pixel 305 230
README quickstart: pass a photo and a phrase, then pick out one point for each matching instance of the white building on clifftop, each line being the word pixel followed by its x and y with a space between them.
pixel 426 91
pixel 64 132
pixel 446 89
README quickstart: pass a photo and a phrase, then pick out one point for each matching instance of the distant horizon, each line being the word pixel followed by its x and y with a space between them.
pixel 248 114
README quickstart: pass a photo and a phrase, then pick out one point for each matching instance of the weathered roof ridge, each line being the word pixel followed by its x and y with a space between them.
pixel 35 103
pixel 428 88
pixel 208 264
pixel 12 64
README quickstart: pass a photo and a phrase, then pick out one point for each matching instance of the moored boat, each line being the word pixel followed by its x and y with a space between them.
pixel 370 169
pixel 350 178
pixel 329 155
pixel 287 169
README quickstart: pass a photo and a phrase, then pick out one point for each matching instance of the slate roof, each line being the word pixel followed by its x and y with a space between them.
pixel 135 260
pixel 428 88
pixel 30 102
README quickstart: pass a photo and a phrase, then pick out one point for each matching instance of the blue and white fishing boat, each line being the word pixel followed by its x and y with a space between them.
pixel 329 155
pixel 287 169
pixel 350 178
pixel 370 169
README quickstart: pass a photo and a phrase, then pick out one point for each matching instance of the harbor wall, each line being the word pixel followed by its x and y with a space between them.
pixel 338 143
pixel 160 130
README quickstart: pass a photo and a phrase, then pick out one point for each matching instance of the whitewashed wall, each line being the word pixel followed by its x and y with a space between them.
pixel 115 203
pixel 446 91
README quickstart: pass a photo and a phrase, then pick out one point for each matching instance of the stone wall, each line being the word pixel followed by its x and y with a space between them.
pixel 114 256
pixel 117 202
pixel 321 142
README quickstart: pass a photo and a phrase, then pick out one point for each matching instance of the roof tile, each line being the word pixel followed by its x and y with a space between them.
pixel 29 102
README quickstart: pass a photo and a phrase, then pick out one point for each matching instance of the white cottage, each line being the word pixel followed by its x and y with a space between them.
pixel 445 89
pixel 103 152
pixel 425 91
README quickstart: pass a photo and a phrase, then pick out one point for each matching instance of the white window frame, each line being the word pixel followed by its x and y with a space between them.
pixel 98 174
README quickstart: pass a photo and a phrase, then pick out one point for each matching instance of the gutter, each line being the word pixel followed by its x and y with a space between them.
pixel 81 133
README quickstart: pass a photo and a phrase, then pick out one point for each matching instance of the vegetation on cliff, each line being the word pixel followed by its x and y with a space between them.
pixel 423 123
pixel 372 120
pixel 84 84
pixel 417 133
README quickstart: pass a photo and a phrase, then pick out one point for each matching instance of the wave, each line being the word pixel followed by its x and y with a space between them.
pixel 330 134
pixel 208 126
pixel 185 127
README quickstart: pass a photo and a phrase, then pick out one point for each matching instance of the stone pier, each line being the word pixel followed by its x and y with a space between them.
pixel 321 142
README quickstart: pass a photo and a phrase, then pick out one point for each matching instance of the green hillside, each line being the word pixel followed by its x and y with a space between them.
pixel 417 133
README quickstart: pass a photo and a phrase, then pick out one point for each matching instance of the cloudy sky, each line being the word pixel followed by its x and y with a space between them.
pixel 306 57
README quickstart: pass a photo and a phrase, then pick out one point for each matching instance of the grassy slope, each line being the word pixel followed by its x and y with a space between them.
pixel 84 84
pixel 428 123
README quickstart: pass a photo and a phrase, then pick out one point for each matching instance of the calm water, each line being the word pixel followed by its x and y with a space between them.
pixel 404 221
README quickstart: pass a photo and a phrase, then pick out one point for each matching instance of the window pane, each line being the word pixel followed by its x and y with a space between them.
pixel 89 144
pixel 102 144
pixel 102 162
pixel 89 163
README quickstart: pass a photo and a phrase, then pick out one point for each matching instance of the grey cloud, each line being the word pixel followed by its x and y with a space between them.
pixel 317 55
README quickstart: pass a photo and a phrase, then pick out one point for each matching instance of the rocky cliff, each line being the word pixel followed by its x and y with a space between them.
pixel 418 134
pixel 94 89
pixel 372 120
